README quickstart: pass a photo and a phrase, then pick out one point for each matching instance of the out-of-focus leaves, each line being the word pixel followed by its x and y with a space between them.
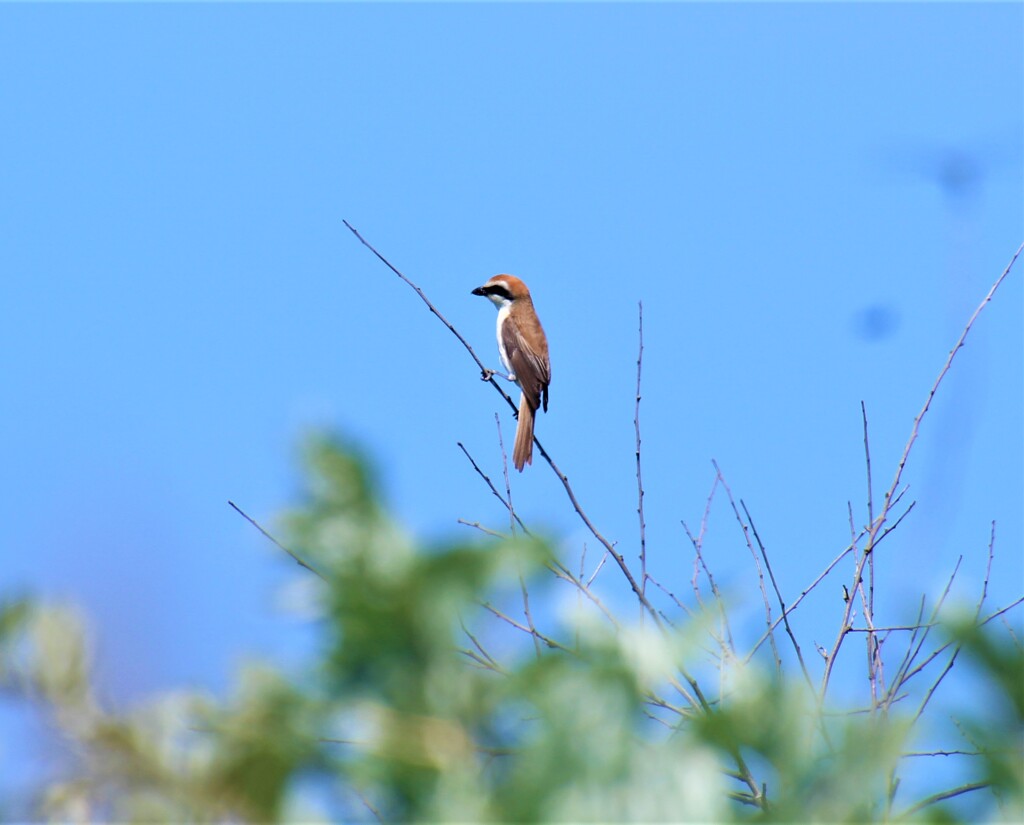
pixel 996 729
pixel 14 613
pixel 263 740
pixel 59 659
pixel 1001 658
pixel 405 717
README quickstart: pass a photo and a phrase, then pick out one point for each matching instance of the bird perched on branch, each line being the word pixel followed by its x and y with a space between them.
pixel 523 349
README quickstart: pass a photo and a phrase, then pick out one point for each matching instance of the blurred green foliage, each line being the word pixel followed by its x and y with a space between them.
pixel 421 708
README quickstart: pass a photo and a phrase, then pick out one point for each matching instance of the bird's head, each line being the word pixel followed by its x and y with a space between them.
pixel 503 290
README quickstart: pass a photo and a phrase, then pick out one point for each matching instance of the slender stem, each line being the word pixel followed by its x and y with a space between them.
pixel 639 478
pixel 299 561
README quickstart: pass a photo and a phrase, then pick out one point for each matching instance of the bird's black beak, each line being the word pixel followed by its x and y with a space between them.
pixel 478 291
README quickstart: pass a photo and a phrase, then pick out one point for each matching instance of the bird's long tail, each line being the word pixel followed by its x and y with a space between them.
pixel 522 452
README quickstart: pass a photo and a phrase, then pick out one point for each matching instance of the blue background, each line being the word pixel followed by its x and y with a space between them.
pixel 810 200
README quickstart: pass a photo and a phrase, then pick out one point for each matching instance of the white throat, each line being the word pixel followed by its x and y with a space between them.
pixel 504 308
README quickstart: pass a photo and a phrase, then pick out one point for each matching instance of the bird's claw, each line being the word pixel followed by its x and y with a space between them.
pixel 486 374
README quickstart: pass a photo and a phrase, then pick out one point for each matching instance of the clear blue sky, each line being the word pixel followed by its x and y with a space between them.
pixel 810 200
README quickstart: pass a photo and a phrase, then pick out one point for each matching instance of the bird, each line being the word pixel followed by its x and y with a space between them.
pixel 523 349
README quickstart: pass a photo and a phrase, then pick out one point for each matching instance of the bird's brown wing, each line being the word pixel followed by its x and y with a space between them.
pixel 532 368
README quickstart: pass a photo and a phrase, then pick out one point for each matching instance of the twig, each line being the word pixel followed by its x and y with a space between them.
pixel 977 614
pixel 939 797
pixel 554 566
pixel 904 674
pixel 434 310
pixel 867 462
pixel 1001 611
pixel 988 571
pixel 757 566
pixel 671 595
pixel 600 564
pixel 369 805
pixel 486 657
pixel 579 594
pixel 876 526
pixel 942 374
pixel 726 644
pixel 481 528
pixel 619 560
pixel 875 664
pixel 504 470
pixel 528 630
pixel 778 595
pixel 895 524
pixel 891 628
pixel 698 543
pixel 639 477
pixel 506 504
pixel 512 526
pixel 803 594
pixel 294 556
pixel 583 589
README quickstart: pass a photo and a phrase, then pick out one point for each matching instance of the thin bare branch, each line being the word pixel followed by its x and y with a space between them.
pixel 671 595
pixel 433 309
pixel 988 571
pixel 367 803
pixel 530 631
pixel 639 476
pixel 803 594
pixel 506 504
pixel 1001 611
pixel 895 524
pixel 512 525
pixel 484 657
pixel 940 797
pixel 504 470
pixel 295 557
pixel 942 374
pixel 600 564
pixel 698 544
pixel 890 629
pixel 903 673
pixel 481 528
pixel 699 564
pixel 977 613
pixel 584 590
pixel 867 462
pixel 757 566
pixel 778 595
pixel 935 685
pixel 874 653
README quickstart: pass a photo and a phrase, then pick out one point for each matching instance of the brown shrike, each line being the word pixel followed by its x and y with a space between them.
pixel 523 349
